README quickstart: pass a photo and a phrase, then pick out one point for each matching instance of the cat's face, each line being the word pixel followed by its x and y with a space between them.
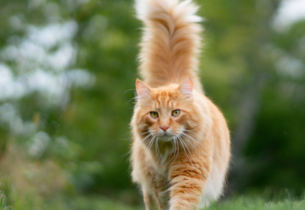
pixel 166 113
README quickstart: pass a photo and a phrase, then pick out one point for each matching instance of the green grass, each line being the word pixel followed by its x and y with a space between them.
pixel 101 203
pixel 88 203
pixel 249 203
pixel 239 203
pixel 75 203
pixel 2 203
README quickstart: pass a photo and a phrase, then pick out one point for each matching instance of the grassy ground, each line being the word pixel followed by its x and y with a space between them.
pixel 99 203
pixel 65 203
pixel 248 203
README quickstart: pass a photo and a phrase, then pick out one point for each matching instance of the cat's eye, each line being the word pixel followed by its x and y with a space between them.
pixel 175 113
pixel 154 114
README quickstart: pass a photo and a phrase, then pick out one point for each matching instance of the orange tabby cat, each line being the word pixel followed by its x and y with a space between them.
pixel 181 148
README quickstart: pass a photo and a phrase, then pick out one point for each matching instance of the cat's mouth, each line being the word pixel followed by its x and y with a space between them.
pixel 166 137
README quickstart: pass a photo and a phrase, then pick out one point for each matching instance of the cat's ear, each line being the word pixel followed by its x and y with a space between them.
pixel 187 86
pixel 142 89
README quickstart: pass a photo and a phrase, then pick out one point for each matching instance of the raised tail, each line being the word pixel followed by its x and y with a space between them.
pixel 171 41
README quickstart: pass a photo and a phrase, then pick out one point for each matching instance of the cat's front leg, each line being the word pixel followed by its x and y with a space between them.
pixel 151 200
pixel 187 186
pixel 146 199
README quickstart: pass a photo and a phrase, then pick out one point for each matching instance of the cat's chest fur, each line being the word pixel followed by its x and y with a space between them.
pixel 164 151
pixel 160 184
pixel 160 167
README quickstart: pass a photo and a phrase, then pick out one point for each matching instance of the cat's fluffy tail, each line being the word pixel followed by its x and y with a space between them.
pixel 171 41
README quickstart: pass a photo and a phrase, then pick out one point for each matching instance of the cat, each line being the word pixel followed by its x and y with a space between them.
pixel 181 142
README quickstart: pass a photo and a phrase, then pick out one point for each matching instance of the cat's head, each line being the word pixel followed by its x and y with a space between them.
pixel 166 113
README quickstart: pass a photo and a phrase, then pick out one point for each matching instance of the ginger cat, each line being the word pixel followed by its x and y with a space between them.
pixel 181 148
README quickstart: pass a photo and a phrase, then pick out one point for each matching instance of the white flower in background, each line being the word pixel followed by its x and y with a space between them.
pixel 42 62
pixel 289 12
pixel 39 144
pixel 39 67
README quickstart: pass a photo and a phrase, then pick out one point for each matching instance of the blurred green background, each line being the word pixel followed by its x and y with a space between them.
pixel 67 75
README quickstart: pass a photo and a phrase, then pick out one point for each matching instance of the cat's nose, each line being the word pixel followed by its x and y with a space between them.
pixel 164 127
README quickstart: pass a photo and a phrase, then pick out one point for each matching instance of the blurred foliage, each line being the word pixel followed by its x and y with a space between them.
pixel 68 70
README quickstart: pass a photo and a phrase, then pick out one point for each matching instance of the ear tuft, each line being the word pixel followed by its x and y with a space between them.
pixel 142 89
pixel 186 86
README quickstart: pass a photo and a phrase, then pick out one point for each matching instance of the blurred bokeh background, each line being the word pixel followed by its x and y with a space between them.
pixel 67 74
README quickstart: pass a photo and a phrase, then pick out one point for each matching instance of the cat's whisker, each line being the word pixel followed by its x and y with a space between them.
pixel 177 143
pixel 134 98
pixel 185 148
pixel 129 90
pixel 145 132
pixel 157 146
pixel 191 137
pixel 188 140
pixel 188 151
pixel 189 131
pixel 151 142
pixel 182 144
pixel 176 149
pixel 173 149
pixel 125 154
pixel 181 141
pixel 146 137
pixel 176 146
